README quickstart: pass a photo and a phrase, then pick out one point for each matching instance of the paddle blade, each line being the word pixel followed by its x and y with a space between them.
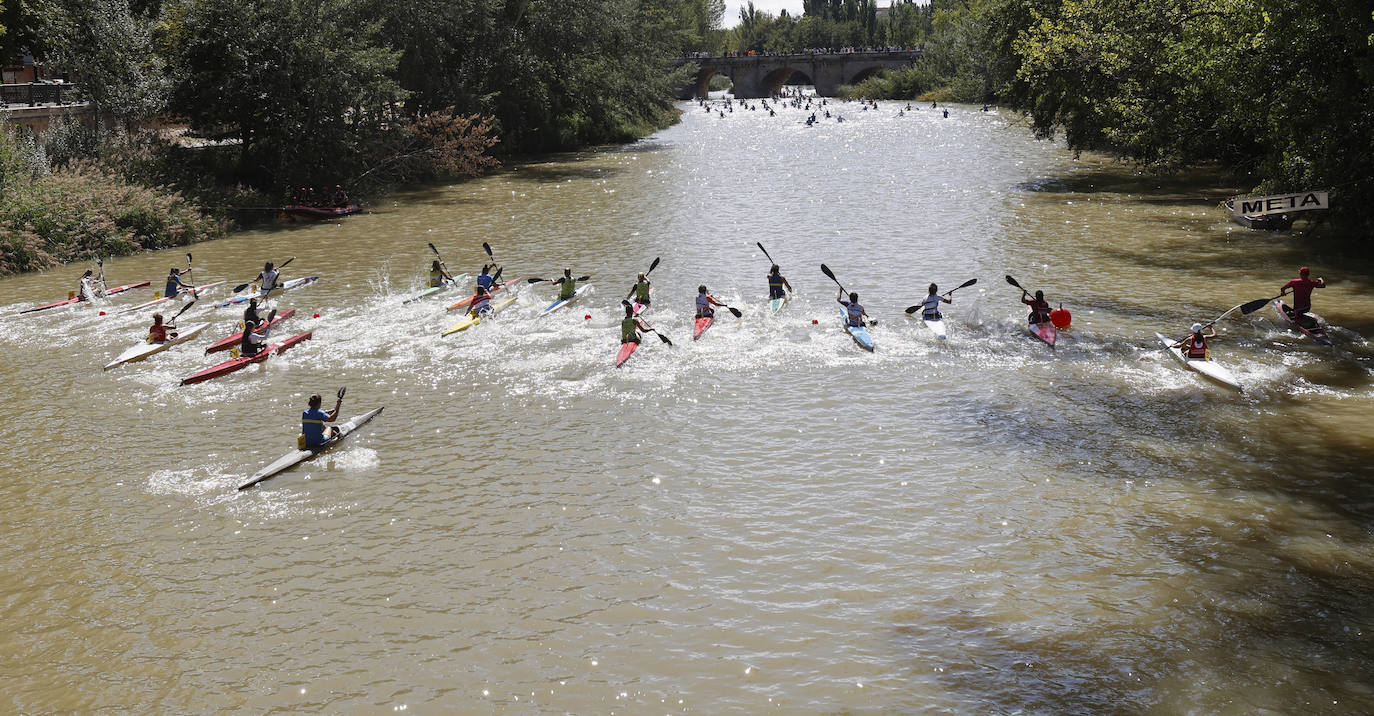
pixel 239 288
pixel 1013 282
pixel 431 248
pixel 663 338
pixel 735 311
pixel 826 270
pixel 1255 305
pixel 965 284
pixel 535 280
pixel 765 251
pixel 487 248
pixel 652 266
pixel 497 276
pixel 912 309
pixel 583 278
pixel 271 315
pixel 342 390
pixel 188 258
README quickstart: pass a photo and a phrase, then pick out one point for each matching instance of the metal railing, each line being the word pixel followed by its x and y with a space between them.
pixel 35 94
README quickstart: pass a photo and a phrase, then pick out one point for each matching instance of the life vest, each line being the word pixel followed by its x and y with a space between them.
pixel 629 330
pixel 856 313
pixel 1196 347
pixel 436 279
pixel 642 291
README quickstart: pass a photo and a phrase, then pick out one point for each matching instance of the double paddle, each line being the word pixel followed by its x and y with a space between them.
pixel 912 309
pixel 239 288
pixel 649 328
pixel 441 259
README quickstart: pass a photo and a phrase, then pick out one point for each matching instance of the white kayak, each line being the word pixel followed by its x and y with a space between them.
pixel 1205 366
pixel 165 299
pixel 297 457
pixel 293 283
pixel 143 350
pixel 435 290
pixel 937 327
pixel 584 288
pixel 776 304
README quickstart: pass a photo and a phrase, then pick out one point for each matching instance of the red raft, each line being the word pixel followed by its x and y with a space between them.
pixel 320 213
pixel 626 350
pixel 237 364
pixel 700 326
pixel 233 340
pixel 108 292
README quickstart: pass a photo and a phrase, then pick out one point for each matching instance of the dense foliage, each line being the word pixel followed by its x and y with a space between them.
pixel 832 24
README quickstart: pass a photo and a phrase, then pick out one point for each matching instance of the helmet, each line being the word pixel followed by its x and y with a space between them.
pixel 1197 328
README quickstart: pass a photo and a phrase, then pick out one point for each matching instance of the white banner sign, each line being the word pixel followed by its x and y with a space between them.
pixel 1278 204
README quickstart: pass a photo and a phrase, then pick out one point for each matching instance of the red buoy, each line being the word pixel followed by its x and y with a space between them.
pixel 587 317
pixel 1061 318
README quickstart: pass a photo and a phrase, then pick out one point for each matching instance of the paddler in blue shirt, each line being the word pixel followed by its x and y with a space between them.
pixel 930 307
pixel 640 290
pixel 438 274
pixel 175 284
pixel 776 283
pixel 705 301
pixel 314 419
pixel 856 311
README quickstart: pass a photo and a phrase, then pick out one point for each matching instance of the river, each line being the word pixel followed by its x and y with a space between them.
pixel 765 519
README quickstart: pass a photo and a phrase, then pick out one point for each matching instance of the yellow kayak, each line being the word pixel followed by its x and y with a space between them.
pixel 471 321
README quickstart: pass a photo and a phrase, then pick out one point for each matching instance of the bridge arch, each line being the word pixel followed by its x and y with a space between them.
pixel 773 81
pixel 866 73
pixel 701 87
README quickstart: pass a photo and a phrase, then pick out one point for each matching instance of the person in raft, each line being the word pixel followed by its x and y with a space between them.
pixel 930 308
pixel 175 284
pixel 857 314
pixel 705 301
pixel 1195 345
pixel 776 283
pixel 314 419
pixel 158 332
pixel 1302 293
pixel 438 274
pixel 640 291
pixel 630 326
pixel 1039 307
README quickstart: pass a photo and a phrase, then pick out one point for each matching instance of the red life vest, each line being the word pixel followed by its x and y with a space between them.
pixel 1196 347
pixel 158 333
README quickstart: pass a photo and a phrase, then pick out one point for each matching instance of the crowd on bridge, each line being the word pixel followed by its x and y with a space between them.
pixel 807 51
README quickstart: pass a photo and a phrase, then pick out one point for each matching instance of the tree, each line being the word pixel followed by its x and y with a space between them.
pixel 110 52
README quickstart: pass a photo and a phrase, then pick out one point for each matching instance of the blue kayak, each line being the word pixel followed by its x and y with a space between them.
pixel 858 333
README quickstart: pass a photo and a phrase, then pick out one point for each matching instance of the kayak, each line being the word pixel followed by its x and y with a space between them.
pixel 1313 330
pixel 937 327
pixel 158 301
pixel 858 333
pixel 287 286
pixel 237 364
pixel 642 307
pixel 776 304
pixel 233 340
pixel 471 321
pixel 1044 331
pixel 78 299
pixel 432 290
pixel 143 350
pixel 626 350
pixel 700 326
pixel 565 301
pixel 296 457
pixel 464 303
pixel 1205 366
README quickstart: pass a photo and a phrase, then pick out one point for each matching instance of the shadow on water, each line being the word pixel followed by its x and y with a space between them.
pixel 1263 574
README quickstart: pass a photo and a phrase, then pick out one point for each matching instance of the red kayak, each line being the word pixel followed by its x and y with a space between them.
pixel 237 364
pixel 108 292
pixel 468 300
pixel 233 340
pixel 1044 331
pixel 626 350
pixel 1307 325
pixel 700 327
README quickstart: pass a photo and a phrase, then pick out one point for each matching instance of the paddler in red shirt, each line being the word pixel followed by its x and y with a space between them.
pixel 159 333
pixel 1302 291
pixel 1195 345
pixel 1039 307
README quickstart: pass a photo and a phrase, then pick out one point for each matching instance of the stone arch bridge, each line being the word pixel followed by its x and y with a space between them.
pixel 764 75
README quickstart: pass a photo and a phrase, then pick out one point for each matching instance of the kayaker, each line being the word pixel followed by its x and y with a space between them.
pixel 930 308
pixel 481 302
pixel 567 285
pixel 175 284
pixel 776 283
pixel 250 314
pixel 1039 307
pixel 630 326
pixel 856 311
pixel 640 290
pixel 705 301
pixel 158 333
pixel 1302 291
pixel 92 285
pixel 267 279
pixel 313 421
pixel 484 278
pixel 438 274
pixel 1195 345
pixel 253 342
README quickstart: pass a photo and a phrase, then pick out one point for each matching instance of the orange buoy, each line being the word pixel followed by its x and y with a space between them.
pixel 1061 318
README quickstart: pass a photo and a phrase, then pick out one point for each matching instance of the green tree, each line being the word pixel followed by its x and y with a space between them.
pixel 110 52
